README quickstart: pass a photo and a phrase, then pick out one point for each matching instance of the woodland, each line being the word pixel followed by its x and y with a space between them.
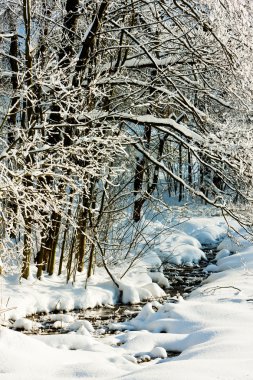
pixel 126 189
pixel 111 111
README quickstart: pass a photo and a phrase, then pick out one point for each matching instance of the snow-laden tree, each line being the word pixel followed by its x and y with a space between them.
pixel 95 89
pixel 50 163
pixel 181 72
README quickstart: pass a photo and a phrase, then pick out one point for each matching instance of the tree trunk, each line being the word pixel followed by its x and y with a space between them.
pixel 180 172
pixel 27 252
pixel 56 223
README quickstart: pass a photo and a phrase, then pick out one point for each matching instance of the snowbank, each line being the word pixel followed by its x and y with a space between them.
pixel 52 294
pixel 210 332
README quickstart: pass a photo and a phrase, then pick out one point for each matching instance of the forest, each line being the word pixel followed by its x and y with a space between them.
pixel 126 138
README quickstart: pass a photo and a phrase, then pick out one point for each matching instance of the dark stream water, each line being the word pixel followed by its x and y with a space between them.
pixel 183 280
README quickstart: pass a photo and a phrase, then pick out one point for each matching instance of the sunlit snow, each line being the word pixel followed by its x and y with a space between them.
pixel 210 333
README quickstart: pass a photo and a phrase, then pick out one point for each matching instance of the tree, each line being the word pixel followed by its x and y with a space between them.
pixel 95 90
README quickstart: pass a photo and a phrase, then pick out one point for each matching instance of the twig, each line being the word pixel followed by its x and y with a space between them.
pixel 213 289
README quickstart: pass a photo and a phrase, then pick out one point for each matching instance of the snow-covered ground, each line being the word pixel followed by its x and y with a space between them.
pixel 211 331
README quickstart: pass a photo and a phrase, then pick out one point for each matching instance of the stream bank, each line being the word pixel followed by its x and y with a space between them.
pixel 183 280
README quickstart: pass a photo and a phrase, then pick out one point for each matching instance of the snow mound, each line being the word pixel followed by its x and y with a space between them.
pixel 133 294
pixel 160 279
pixel 67 318
pixel 60 325
pixel 211 331
pixel 26 324
pixel 234 243
pixel 180 248
pixel 186 254
pixel 158 352
pixel 222 253
pixel 81 326
pixel 211 268
pixel 208 231
pixel 151 260
pixel 177 239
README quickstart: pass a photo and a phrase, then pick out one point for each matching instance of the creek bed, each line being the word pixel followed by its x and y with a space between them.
pixel 183 280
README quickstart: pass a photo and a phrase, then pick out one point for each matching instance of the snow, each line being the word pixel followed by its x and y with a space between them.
pixel 134 294
pixel 150 119
pixel 222 253
pixel 158 352
pixel 65 318
pixel 25 358
pixel 180 249
pixel 26 324
pixel 208 232
pixel 77 325
pixel 160 279
pixel 34 296
pixel 210 332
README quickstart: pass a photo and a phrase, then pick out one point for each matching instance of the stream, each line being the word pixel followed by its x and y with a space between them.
pixel 183 280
